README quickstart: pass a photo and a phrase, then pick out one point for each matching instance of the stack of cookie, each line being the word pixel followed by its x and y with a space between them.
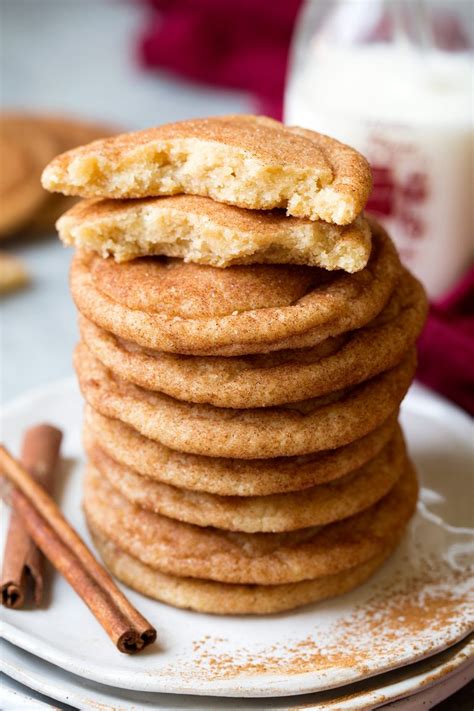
pixel 242 368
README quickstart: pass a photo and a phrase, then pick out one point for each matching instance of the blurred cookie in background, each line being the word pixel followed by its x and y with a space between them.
pixel 27 143
pixel 24 148
pixel 13 274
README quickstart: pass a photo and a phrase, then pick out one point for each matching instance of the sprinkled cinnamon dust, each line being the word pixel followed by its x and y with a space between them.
pixel 417 612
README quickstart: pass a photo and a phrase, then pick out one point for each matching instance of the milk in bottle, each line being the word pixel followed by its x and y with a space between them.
pixel 407 105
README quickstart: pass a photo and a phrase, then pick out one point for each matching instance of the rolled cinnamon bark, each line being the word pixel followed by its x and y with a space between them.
pixel 65 549
pixel 23 562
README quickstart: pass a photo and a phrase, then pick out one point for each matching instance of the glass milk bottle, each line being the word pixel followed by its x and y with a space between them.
pixel 394 79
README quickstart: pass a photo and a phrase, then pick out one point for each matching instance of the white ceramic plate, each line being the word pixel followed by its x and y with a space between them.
pixel 430 698
pixel 450 669
pixel 417 605
pixel 16 697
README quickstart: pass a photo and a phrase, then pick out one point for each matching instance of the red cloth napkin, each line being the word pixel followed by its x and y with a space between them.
pixel 446 346
pixel 243 44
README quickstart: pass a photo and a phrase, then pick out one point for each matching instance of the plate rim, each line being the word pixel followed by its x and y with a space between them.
pixel 463 660
pixel 420 400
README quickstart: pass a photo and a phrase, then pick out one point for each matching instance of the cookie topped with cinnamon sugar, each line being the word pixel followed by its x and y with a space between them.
pixel 248 161
pixel 170 306
pixel 200 230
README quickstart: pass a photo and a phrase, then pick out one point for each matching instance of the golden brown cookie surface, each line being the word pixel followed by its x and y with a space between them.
pixel 25 149
pixel 317 506
pixel 273 378
pixel 298 428
pixel 248 161
pixel 200 230
pixel 183 549
pixel 171 306
pixel 231 477
pixel 213 597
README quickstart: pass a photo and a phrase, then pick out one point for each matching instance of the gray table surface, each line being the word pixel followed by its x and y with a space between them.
pixel 78 58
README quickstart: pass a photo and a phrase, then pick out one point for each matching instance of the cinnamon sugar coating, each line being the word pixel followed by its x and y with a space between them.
pixel 249 161
pixel 242 370
pixel 212 597
pixel 200 230
pixel 316 506
pixel 171 306
pixel 232 477
pixel 297 428
pixel 274 378
pixel 187 550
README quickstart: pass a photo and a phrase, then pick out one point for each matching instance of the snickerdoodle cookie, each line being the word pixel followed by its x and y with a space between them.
pixel 200 230
pixel 297 428
pixel 171 306
pixel 232 477
pixel 250 161
pixel 272 378
pixel 25 151
pixel 212 597
pixel 187 550
pixel 280 512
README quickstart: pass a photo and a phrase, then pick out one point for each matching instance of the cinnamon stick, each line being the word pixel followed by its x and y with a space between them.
pixel 68 553
pixel 23 562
